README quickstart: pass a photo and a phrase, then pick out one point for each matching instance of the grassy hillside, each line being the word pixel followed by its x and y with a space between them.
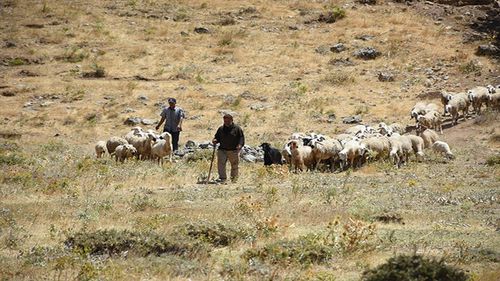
pixel 71 72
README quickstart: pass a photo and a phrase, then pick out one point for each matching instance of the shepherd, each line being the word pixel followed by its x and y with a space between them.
pixel 173 125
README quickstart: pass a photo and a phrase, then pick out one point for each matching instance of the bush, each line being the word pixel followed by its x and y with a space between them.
pixel 114 242
pixel 305 250
pixel 216 234
pixel 413 268
pixel 493 160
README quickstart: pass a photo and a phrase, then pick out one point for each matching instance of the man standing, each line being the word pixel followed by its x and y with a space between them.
pixel 231 140
pixel 173 125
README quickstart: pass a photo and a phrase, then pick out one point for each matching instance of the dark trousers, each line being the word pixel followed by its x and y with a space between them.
pixel 175 139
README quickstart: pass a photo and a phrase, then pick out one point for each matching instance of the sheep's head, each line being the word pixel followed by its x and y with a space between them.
pixel 470 95
pixel 447 108
pixel 294 145
pixel 491 89
pixel 265 146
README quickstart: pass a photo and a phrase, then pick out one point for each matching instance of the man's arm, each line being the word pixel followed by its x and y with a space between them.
pixel 241 141
pixel 161 122
pixel 216 137
pixel 181 118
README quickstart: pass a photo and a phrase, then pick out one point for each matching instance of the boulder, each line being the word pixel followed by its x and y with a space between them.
pixel 132 121
pixel 367 53
pixel 352 119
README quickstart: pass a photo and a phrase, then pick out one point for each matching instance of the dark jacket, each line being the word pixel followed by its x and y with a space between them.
pixel 229 137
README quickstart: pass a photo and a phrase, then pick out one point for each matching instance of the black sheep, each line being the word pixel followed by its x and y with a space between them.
pixel 271 155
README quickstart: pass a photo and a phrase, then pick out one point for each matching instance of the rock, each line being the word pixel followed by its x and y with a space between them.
pixel 352 119
pixel 10 44
pixel 27 73
pixel 148 121
pixel 132 121
pixel 385 77
pixel 337 48
pixel 205 145
pixel 34 25
pixel 367 53
pixel 190 144
pixel 331 118
pixel 128 110
pixel 341 62
pixel 227 111
pixel 46 103
pixel 365 37
pixel 202 30
pixel 464 2
pixel 249 158
pixel 488 50
pixel 246 95
pixel 184 33
pixel 368 2
pixel 27 104
pixel 143 98
pixel 8 93
pixel 259 107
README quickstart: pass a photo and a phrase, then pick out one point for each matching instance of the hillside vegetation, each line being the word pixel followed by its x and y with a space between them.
pixel 71 73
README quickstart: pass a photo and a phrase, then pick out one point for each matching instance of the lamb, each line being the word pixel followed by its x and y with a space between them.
pixel 428 135
pixel 441 147
pixel 124 151
pixel 377 147
pixel 162 147
pixel 353 152
pixel 113 142
pixel 100 148
pixel 326 149
pixel 301 156
pixel 431 119
pixel 271 155
pixel 478 96
pixel 459 102
pixel 417 144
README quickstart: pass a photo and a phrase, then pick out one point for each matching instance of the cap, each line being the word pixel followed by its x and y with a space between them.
pixel 172 100
pixel 227 115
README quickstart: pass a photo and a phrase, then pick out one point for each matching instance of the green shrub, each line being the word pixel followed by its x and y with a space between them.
pixel 114 242
pixel 305 250
pixel 493 160
pixel 413 268
pixel 216 234
pixel 17 61
pixel 11 159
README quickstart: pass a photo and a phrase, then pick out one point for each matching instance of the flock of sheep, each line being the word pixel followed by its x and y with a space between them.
pixel 363 143
pixel 357 145
pixel 139 143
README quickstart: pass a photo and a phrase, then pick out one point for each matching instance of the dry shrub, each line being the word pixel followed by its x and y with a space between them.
pixel 216 234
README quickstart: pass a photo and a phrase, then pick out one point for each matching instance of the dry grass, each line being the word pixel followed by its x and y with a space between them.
pixel 52 186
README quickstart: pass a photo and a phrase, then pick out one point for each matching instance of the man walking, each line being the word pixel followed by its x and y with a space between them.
pixel 173 125
pixel 231 140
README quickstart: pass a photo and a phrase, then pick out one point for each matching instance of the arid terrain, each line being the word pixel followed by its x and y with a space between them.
pixel 72 72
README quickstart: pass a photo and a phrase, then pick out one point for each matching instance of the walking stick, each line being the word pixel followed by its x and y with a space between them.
pixel 211 165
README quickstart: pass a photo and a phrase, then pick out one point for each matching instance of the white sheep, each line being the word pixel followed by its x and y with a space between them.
pixel 494 101
pixel 352 154
pixel 445 98
pixel 478 96
pixel 124 151
pixel 326 149
pixel 459 102
pixel 113 142
pixel 377 147
pixel 141 141
pixel 431 119
pixel 401 148
pixel 301 156
pixel 441 147
pixel 100 148
pixel 417 144
pixel 428 135
pixel 162 147
pixel 418 109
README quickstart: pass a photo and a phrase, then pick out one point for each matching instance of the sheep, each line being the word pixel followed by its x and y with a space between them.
pixel 459 102
pixel 377 147
pixel 428 135
pixel 417 144
pixel 162 147
pixel 326 149
pixel 494 101
pixel 355 130
pixel 124 151
pixel 271 155
pixel 431 119
pixel 401 148
pixel 441 147
pixel 100 148
pixel 478 96
pixel 141 141
pixel 301 156
pixel 418 109
pixel 445 98
pixel 353 152
pixel 113 142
